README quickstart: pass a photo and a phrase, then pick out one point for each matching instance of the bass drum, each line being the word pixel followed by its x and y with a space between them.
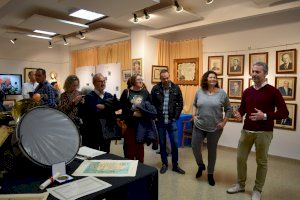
pixel 47 136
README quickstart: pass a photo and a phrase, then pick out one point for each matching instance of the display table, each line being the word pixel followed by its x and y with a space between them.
pixel 143 186
pixel 179 122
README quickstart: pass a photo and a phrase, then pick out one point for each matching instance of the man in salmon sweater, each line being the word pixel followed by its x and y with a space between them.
pixel 262 104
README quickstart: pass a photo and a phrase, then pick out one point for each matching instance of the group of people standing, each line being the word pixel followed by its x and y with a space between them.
pixel 147 115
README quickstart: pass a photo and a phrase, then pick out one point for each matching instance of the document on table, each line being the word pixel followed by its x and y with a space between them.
pixel 79 188
pixel 89 152
pixel 41 196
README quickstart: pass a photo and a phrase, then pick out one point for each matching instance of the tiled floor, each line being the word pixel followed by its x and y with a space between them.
pixel 283 179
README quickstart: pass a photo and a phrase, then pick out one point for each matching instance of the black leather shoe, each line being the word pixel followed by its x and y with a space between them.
pixel 211 180
pixel 178 170
pixel 201 168
pixel 163 169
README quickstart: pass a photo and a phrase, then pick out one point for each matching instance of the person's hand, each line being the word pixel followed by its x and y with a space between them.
pixel 137 113
pixel 237 115
pixel 77 99
pixel 100 106
pixel 259 115
pixel 221 125
pixel 195 117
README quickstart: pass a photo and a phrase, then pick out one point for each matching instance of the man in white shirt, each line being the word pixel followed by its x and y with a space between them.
pixel 29 87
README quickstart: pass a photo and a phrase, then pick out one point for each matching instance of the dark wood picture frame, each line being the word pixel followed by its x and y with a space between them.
pixel 235 106
pixel 285 56
pixel 137 66
pixel 289 91
pixel 26 71
pixel 155 75
pixel 186 71
pixel 290 122
pixel 257 57
pixel 239 69
pixel 215 63
pixel 233 91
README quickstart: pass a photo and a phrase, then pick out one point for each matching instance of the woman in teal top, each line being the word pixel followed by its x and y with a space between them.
pixel 210 102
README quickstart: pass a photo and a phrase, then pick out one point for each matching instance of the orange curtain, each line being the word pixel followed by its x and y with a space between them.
pixel 168 51
pixel 85 57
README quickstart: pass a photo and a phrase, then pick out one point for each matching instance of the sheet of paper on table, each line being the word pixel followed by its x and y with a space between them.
pixel 78 188
pixel 87 152
pixel 41 196
pixel 107 168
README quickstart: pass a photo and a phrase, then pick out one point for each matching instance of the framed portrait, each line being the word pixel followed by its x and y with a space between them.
pixel 291 121
pixel 137 66
pixel 126 74
pixel 215 63
pixel 186 71
pixel 257 57
pixel 287 87
pixel 235 106
pixel 286 61
pixel 251 83
pixel 220 82
pixel 26 71
pixel 155 76
pixel 9 103
pixel 235 65
pixel 235 88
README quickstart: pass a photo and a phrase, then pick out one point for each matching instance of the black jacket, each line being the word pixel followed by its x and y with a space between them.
pixel 175 101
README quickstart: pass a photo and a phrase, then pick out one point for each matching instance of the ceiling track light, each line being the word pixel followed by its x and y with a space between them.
pixel 50 45
pixel 82 37
pixel 65 41
pixel 13 40
pixel 179 8
pixel 147 16
pixel 135 19
pixel 209 1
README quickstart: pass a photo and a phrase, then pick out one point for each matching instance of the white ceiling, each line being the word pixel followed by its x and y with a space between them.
pixel 19 17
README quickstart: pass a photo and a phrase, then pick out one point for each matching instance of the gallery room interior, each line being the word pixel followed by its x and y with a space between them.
pixel 121 38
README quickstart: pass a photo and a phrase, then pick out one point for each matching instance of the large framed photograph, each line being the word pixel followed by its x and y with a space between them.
pixel 291 121
pixel 257 57
pixel 220 82
pixel 215 63
pixel 287 87
pixel 186 71
pixel 155 77
pixel 235 88
pixel 235 106
pixel 26 72
pixel 137 66
pixel 286 61
pixel 126 74
pixel 235 65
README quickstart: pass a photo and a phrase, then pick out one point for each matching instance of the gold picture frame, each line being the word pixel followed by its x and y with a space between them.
pixel 215 63
pixel 286 61
pixel 186 71
pixel 290 122
pixel 287 87
pixel 26 71
pixel 137 66
pixel 257 57
pixel 235 106
pixel 235 65
pixel 235 88
pixel 156 69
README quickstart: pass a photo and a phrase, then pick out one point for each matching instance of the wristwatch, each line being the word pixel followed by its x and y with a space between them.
pixel 265 116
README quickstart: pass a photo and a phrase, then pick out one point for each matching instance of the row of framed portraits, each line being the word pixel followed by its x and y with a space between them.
pixel 288 123
pixel 286 62
pixel 286 86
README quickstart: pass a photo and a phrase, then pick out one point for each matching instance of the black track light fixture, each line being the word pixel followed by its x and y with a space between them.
pixel 13 40
pixel 178 7
pixel 50 45
pixel 147 16
pixel 65 41
pixel 209 1
pixel 135 19
pixel 82 37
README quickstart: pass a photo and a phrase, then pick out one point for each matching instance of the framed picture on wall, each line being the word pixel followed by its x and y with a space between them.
pixel 235 106
pixel 215 63
pixel 126 74
pixel 287 87
pixel 257 57
pixel 220 82
pixel 235 65
pixel 137 66
pixel 26 72
pixel 235 88
pixel 291 121
pixel 286 61
pixel 9 103
pixel 155 76
pixel 186 71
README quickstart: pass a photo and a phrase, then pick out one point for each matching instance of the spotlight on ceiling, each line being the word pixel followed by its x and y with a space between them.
pixel 13 40
pixel 50 45
pixel 135 19
pixel 82 37
pixel 178 7
pixel 65 41
pixel 209 1
pixel 147 16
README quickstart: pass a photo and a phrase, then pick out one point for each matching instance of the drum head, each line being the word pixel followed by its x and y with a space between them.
pixel 48 136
